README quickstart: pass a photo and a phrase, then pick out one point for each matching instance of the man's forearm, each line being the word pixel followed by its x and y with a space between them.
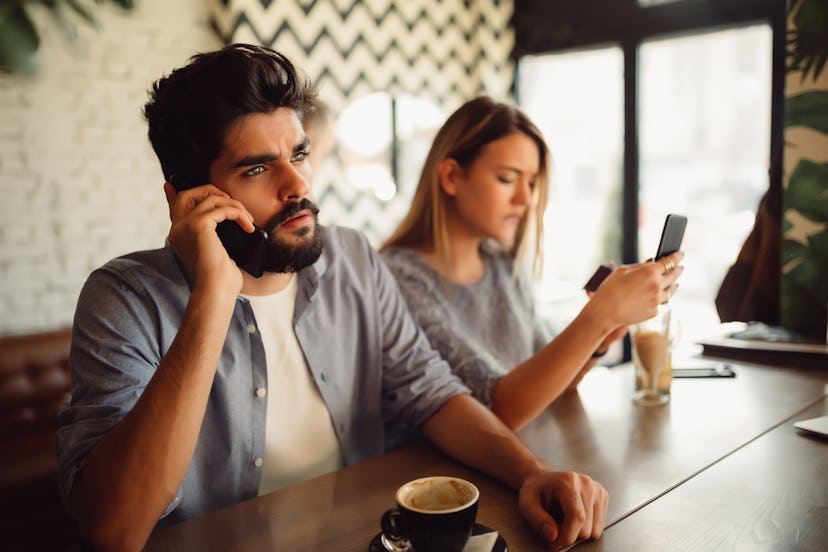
pixel 133 473
pixel 467 431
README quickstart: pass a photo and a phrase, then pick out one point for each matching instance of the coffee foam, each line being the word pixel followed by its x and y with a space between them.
pixel 437 494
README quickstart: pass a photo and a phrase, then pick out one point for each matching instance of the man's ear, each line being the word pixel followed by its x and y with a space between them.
pixel 171 194
pixel 451 175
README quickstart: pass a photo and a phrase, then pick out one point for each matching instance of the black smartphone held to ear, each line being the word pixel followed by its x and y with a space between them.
pixel 246 249
pixel 671 235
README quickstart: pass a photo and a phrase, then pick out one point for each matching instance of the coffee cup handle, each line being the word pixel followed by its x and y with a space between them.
pixel 394 530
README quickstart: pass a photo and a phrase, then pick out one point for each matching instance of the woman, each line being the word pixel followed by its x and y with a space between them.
pixel 474 223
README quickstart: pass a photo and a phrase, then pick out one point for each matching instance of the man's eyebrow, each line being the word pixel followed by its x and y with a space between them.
pixel 302 146
pixel 263 158
pixel 255 160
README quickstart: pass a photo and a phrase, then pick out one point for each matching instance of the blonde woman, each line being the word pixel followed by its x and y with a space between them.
pixel 460 256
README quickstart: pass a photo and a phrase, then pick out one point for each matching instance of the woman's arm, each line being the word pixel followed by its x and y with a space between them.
pixel 630 294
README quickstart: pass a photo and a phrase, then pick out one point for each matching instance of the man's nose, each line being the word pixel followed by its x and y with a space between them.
pixel 293 185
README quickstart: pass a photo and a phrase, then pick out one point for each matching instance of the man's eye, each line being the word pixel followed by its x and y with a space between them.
pixel 258 169
pixel 300 156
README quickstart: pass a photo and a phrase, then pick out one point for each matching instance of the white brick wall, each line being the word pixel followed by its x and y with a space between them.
pixel 79 183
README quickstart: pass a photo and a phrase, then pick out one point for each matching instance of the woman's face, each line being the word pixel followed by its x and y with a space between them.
pixel 493 195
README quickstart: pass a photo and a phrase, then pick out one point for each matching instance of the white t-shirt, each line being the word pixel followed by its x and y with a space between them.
pixel 300 441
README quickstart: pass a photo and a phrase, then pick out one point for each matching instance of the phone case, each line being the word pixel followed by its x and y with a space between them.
pixel 671 235
pixel 597 277
pixel 247 249
pixel 717 371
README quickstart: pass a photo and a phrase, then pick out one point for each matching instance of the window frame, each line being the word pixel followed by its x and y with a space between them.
pixel 543 27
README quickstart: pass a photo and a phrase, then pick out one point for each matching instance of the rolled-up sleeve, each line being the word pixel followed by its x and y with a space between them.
pixel 479 370
pixel 114 354
pixel 417 381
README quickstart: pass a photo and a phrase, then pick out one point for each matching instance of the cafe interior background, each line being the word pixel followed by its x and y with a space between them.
pixel 692 133
pixel 649 106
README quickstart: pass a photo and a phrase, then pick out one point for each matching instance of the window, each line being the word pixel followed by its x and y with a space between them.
pixel 382 142
pixel 703 123
pixel 704 120
pixel 576 99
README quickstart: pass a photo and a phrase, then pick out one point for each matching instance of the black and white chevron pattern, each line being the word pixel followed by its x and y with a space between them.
pixel 445 51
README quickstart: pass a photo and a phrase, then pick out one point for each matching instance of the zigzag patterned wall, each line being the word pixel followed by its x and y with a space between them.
pixel 444 51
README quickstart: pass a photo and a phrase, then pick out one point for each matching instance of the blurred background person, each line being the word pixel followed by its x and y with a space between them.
pixel 319 128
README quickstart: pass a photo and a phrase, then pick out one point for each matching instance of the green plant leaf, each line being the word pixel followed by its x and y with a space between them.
pixel 19 38
pixel 808 43
pixel 792 250
pixel 802 311
pixel 809 109
pixel 19 41
pixel 808 190
pixel 809 273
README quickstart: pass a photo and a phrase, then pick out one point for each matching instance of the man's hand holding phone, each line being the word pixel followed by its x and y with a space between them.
pixel 195 214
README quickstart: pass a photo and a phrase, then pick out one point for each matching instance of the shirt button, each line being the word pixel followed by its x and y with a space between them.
pixel 251 328
pixel 258 462
pixel 261 392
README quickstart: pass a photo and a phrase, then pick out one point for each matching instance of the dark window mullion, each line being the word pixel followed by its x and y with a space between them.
pixel 631 164
pixel 394 153
pixel 631 161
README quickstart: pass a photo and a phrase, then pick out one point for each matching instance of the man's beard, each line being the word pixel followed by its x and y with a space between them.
pixel 282 256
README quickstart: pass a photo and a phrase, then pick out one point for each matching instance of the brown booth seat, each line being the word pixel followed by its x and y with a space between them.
pixel 34 386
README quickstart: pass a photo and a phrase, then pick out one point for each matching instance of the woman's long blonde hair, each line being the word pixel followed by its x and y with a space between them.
pixel 462 137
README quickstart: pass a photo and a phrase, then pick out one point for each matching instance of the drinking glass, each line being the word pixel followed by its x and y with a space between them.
pixel 651 344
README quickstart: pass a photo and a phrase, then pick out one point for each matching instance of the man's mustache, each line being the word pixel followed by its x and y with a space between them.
pixel 291 209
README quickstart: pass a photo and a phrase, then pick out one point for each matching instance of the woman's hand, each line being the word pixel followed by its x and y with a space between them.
pixel 632 293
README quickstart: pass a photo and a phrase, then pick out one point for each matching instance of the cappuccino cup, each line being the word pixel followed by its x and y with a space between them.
pixel 433 514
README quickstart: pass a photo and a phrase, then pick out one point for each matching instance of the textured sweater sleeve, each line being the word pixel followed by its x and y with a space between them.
pixel 542 334
pixel 422 292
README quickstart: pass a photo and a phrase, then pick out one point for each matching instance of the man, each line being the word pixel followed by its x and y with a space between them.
pixel 197 385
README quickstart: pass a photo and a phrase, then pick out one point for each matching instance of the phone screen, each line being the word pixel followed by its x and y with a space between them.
pixel 247 249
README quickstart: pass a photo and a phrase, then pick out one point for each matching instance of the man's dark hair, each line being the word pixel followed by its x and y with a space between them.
pixel 190 110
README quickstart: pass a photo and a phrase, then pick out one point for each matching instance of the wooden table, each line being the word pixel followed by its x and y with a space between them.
pixel 771 494
pixel 651 460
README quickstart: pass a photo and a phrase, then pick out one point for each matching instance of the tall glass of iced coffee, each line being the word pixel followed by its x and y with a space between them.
pixel 652 359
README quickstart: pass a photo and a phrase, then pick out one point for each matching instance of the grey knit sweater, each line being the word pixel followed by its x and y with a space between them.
pixel 484 329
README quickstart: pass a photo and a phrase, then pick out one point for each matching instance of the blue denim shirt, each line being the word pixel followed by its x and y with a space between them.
pixel 376 371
